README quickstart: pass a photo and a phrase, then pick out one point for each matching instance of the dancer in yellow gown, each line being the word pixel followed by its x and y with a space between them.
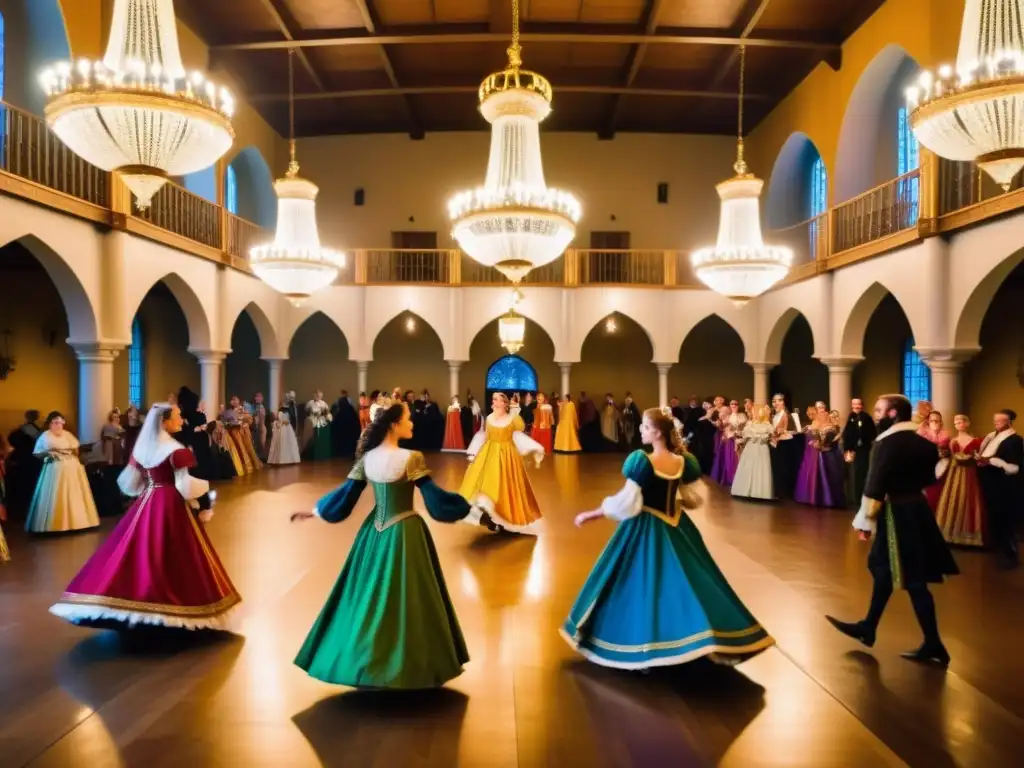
pixel 566 433
pixel 497 479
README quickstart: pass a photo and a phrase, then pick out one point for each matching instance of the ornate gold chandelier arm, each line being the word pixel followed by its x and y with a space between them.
pixel 741 165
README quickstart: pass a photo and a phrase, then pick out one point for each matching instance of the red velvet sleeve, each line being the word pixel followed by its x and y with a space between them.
pixel 183 459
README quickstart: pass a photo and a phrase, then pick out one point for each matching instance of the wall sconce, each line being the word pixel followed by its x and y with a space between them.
pixel 610 326
pixel 410 324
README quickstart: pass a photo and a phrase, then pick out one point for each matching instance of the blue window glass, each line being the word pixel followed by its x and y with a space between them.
pixel 136 367
pixel 908 159
pixel 819 188
pixel 512 373
pixel 917 377
pixel 2 60
pixel 231 190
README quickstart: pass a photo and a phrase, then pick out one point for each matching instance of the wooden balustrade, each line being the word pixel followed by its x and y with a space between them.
pixel 620 267
pixel 962 185
pixel 401 265
pixel 885 210
pixel 242 235
pixel 30 150
pixel 809 240
pixel 475 273
pixel 184 213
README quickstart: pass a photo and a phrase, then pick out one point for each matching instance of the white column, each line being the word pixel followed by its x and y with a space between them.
pixel 947 368
pixel 565 368
pixel 663 369
pixel 276 393
pixel 840 382
pixel 363 366
pixel 761 381
pixel 210 368
pixel 453 378
pixel 95 388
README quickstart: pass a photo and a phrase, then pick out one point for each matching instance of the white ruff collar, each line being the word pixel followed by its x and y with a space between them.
pixel 993 440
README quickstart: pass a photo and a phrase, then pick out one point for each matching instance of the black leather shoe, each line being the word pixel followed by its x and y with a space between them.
pixel 858 631
pixel 929 654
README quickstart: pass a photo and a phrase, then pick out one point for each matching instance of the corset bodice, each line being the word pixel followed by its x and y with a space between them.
pixel 161 474
pixel 659 494
pixel 501 434
pixel 392 501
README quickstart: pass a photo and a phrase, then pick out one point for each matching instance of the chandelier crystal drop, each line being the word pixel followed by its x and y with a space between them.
pixel 976 112
pixel 514 222
pixel 295 264
pixel 137 111
pixel 740 266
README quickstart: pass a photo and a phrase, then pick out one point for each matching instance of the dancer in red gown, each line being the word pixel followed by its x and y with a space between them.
pixel 157 567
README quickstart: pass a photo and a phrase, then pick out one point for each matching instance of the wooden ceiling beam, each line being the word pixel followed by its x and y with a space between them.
pixel 284 21
pixel 371 21
pixel 592 34
pixel 430 90
pixel 499 17
pixel 636 59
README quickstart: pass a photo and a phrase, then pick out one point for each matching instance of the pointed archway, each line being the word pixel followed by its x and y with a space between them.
pixel 318 358
pixel 408 353
pixel 711 362
pixel 799 376
pixel 616 358
pixel 485 349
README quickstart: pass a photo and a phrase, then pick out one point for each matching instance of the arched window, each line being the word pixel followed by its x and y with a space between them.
pixel 231 190
pixel 819 188
pixel 2 58
pixel 917 378
pixel 511 374
pixel 909 159
pixel 136 366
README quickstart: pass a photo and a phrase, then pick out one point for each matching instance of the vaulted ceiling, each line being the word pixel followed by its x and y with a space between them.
pixel 371 66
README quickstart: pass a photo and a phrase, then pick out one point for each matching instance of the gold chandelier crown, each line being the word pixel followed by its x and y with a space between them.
pixel 514 77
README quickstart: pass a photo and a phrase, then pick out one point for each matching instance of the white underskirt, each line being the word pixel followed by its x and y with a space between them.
pixel 76 614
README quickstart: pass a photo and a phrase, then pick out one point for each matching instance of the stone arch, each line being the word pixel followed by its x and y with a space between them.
pixel 777 335
pixel 83 323
pixel 789 186
pixel 35 36
pixel 256 199
pixel 200 335
pixel 705 375
pixel 315 313
pixel 270 346
pixel 592 308
pixel 318 357
pixel 851 339
pixel 410 356
pixel 967 332
pixel 863 159
pixel 616 356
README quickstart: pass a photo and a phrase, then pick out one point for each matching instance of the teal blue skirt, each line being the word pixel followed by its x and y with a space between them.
pixel 656 598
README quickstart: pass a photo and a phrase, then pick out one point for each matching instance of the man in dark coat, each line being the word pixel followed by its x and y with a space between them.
pixel 23 467
pixel 344 426
pixel 908 551
pixel 527 411
pixel 858 436
pixel 999 462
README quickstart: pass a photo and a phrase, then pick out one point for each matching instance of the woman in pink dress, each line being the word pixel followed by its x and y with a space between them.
pixel 157 567
pixel 932 429
pixel 961 510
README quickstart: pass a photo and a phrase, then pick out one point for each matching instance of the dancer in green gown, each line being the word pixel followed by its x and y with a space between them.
pixel 389 622
pixel 655 596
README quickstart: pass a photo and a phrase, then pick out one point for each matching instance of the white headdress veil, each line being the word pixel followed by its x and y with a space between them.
pixel 154 445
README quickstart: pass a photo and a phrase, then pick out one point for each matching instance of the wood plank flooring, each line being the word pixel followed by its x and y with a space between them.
pixel 76 697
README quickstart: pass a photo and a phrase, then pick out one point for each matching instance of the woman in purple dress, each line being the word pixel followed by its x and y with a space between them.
pixel 732 422
pixel 820 482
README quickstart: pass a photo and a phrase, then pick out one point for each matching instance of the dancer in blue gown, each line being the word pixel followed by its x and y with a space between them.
pixel 655 596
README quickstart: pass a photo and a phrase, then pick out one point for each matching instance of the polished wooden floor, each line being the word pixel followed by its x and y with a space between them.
pixel 75 697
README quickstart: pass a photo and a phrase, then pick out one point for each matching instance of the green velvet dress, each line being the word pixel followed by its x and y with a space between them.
pixel 389 622
pixel 655 596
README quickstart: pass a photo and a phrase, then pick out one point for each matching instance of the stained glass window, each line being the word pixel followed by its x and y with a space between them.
pixel 1 56
pixel 136 368
pixel 908 159
pixel 512 373
pixel 819 188
pixel 231 190
pixel 917 378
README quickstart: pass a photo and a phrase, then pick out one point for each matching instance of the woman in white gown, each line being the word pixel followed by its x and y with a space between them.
pixel 753 478
pixel 63 500
pixel 284 445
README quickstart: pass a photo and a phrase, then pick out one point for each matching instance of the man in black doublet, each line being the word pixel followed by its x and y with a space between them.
pixel 858 436
pixel 431 423
pixel 527 411
pixel 999 462
pixel 908 551
pixel 344 426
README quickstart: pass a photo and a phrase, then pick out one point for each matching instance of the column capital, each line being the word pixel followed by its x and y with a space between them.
pixel 454 365
pixel 96 351
pixel 762 367
pixel 841 364
pixel 273 360
pixel 943 359
pixel 564 366
pixel 664 368
pixel 208 356
pixel 363 365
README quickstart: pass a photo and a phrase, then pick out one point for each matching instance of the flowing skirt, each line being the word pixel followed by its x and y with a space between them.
pixel 63 499
pixel 820 481
pixel 723 471
pixel 453 440
pixel 156 567
pixel 319 446
pixel 499 474
pixel 284 446
pixel 657 598
pixel 961 508
pixel 5 553
pixel 389 621
pixel 544 436
pixel 566 439
pixel 753 478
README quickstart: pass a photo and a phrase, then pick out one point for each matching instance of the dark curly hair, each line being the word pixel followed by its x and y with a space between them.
pixel 382 423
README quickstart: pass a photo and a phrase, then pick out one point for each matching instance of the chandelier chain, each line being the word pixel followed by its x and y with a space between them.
pixel 293 164
pixel 514 56
pixel 741 166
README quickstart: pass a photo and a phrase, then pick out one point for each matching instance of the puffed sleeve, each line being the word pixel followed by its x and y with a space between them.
pixel 629 501
pixel 337 505
pixel 527 446
pixel 444 506
pixel 477 442
pixel 130 480
pixel 189 487
pixel 691 468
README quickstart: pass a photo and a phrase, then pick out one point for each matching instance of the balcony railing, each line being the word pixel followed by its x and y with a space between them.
pixel 939 197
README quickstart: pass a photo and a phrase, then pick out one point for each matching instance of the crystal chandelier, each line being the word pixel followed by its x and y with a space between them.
pixel 514 222
pixel 512 327
pixel 295 264
pixel 976 113
pixel 740 266
pixel 137 112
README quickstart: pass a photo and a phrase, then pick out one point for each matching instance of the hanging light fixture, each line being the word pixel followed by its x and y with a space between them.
pixel 976 113
pixel 514 222
pixel 512 326
pixel 740 266
pixel 295 264
pixel 137 112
